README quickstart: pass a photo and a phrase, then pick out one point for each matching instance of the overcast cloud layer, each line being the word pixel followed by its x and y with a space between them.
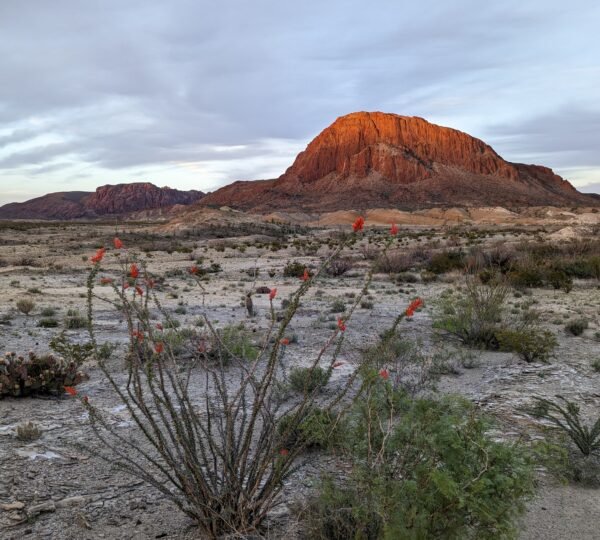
pixel 196 94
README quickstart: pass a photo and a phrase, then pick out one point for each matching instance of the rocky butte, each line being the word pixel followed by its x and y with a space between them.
pixel 109 200
pixel 380 160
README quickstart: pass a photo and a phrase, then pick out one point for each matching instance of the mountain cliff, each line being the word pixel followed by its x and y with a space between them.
pixel 109 200
pixel 379 160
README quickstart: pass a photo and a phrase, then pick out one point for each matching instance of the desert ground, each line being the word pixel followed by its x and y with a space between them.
pixel 52 488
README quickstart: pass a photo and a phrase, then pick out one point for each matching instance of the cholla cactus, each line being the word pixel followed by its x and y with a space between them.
pixel 22 376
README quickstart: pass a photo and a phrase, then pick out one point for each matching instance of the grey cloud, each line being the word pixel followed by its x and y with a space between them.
pixel 138 83
pixel 569 137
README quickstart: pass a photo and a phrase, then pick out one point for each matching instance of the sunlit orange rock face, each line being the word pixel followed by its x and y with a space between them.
pixel 386 160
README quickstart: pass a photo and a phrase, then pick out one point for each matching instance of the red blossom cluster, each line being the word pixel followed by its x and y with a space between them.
pixel 306 275
pixel 272 294
pixel 134 271
pixel 98 256
pixel 117 243
pixel 341 325
pixel 358 224
pixel 394 229
pixel 414 305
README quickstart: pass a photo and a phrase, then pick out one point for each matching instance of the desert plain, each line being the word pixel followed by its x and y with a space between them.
pixel 56 486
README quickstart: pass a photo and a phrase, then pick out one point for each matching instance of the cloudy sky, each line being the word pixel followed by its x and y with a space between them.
pixel 198 93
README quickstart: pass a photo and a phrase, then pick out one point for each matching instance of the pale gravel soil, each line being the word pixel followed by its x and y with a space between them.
pixel 117 506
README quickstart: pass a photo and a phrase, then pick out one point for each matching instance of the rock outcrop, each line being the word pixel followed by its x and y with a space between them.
pixel 109 200
pixel 379 160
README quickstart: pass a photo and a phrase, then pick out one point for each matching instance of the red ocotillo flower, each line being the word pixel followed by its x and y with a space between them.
pixel 394 229
pixel 306 275
pixel 272 294
pixel 117 242
pixel 384 374
pixel 284 341
pixel 139 290
pixel 138 335
pixel 341 325
pixel 134 271
pixel 159 347
pixel 414 305
pixel 358 224
pixel 193 270
pixel 98 256
pixel 70 390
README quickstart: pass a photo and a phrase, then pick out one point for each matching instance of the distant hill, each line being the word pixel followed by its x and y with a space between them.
pixel 379 160
pixel 109 200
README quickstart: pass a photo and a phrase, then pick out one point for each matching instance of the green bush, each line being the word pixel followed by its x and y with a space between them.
pixel 294 269
pixel 234 343
pixel 316 428
pixel 576 327
pixel 446 261
pixel 338 306
pixel 48 322
pixel 560 280
pixel 74 320
pixel 531 344
pixel 308 379
pixel 474 317
pixel 433 473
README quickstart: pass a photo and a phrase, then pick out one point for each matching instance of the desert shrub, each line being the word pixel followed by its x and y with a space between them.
pixel 596 365
pixel 317 429
pixel 28 431
pixel 263 290
pixel 560 280
pixel 406 365
pixel 106 350
pixel 529 275
pixel 294 269
pixel 339 266
pixel 74 320
pixel 73 352
pixel 565 415
pixel 473 318
pixel 393 262
pixel 440 263
pixel 531 344
pixel 576 327
pixel 307 380
pixel 431 472
pixel 48 322
pixel 230 343
pixel 337 306
pixel 22 376
pixel 25 305
pixel 406 277
pixel 367 304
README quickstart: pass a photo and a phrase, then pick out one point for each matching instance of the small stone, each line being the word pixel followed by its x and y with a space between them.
pixel 17 505
pixel 48 506
pixel 70 501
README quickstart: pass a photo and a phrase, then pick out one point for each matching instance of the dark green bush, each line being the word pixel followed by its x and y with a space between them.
pixel 318 428
pixel 48 322
pixel 531 344
pixel 433 473
pixel 446 261
pixel 74 320
pixel 576 327
pixel 308 379
pixel 294 269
